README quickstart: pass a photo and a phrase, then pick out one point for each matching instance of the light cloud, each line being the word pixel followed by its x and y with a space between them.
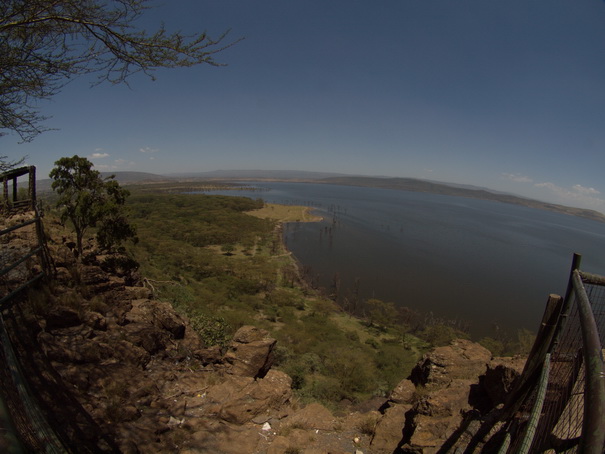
pixel 583 190
pixel 577 195
pixel 118 164
pixel 148 150
pixel 517 177
pixel 99 155
pixel 122 163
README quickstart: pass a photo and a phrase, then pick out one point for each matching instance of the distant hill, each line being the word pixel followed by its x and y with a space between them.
pixel 137 177
pixel 124 178
pixel 411 184
pixel 259 175
pixel 404 184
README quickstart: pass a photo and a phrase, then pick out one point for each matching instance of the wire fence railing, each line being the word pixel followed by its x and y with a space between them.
pixel 23 427
pixel 572 414
pixel 558 403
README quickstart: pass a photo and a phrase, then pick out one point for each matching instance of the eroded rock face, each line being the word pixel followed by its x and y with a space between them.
pixel 265 395
pixel 500 377
pixel 390 429
pixel 157 313
pixel 462 359
pixel 433 402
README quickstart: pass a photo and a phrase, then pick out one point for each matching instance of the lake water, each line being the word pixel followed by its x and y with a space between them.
pixel 490 264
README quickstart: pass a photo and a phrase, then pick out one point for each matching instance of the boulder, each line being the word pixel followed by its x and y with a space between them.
pixel 157 313
pixel 148 337
pixel 389 430
pixel 462 359
pixel 314 416
pixel 430 433
pixel 404 393
pixel 450 400
pixel 137 293
pixel 92 275
pixel 219 437
pixel 264 395
pixel 446 378
pixel 250 353
pixel 211 355
pixel 95 320
pixel 499 378
pixel 62 317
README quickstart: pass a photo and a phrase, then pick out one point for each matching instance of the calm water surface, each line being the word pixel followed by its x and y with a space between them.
pixel 488 263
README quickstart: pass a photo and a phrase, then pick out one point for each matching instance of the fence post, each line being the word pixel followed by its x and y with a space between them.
pixel 593 435
pixel 32 186
pixel 5 190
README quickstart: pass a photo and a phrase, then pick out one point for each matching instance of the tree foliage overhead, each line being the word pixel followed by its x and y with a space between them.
pixel 45 43
pixel 87 200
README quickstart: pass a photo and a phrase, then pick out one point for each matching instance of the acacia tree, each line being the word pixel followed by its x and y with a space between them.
pixel 87 200
pixel 45 43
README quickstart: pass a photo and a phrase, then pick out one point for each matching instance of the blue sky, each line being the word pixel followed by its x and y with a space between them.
pixel 507 95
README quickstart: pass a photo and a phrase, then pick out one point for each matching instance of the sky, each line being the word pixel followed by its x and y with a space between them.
pixel 508 95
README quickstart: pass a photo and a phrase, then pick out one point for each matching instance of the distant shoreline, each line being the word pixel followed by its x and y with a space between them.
pixel 413 185
pixel 205 181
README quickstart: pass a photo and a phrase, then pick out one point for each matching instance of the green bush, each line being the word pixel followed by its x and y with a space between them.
pixel 440 335
pixel 212 330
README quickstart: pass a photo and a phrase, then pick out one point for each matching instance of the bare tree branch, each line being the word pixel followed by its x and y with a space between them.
pixel 46 43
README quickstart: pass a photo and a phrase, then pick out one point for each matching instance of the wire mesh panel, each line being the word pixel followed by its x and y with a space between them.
pixel 563 380
pixel 572 398
pixel 596 294
pixel 557 405
pixel 561 421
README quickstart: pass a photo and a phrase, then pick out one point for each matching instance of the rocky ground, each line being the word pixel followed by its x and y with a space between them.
pixel 135 378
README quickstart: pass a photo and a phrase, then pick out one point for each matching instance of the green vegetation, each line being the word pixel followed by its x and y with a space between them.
pixel 221 262
pixel 89 201
pixel 507 345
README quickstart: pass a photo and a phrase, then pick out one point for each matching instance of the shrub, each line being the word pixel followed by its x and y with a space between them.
pixel 212 330
pixel 440 335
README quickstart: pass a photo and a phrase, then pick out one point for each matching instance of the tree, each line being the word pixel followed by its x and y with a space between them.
pixel 87 200
pixel 380 313
pixel 45 43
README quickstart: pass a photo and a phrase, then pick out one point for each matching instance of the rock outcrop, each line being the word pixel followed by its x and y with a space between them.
pixel 447 385
pixel 151 385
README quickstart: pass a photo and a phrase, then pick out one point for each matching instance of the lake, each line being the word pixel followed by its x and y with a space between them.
pixel 488 264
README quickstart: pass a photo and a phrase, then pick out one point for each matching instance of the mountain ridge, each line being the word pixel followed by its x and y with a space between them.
pixel 396 183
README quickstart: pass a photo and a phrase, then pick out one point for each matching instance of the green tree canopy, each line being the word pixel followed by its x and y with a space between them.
pixel 87 200
pixel 381 313
pixel 45 43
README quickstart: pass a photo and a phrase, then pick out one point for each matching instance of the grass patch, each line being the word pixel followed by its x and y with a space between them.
pixel 285 213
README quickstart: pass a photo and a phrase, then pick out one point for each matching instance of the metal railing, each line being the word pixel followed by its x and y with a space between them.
pixel 558 402
pixel 38 412
pixel 15 277
pixel 572 414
